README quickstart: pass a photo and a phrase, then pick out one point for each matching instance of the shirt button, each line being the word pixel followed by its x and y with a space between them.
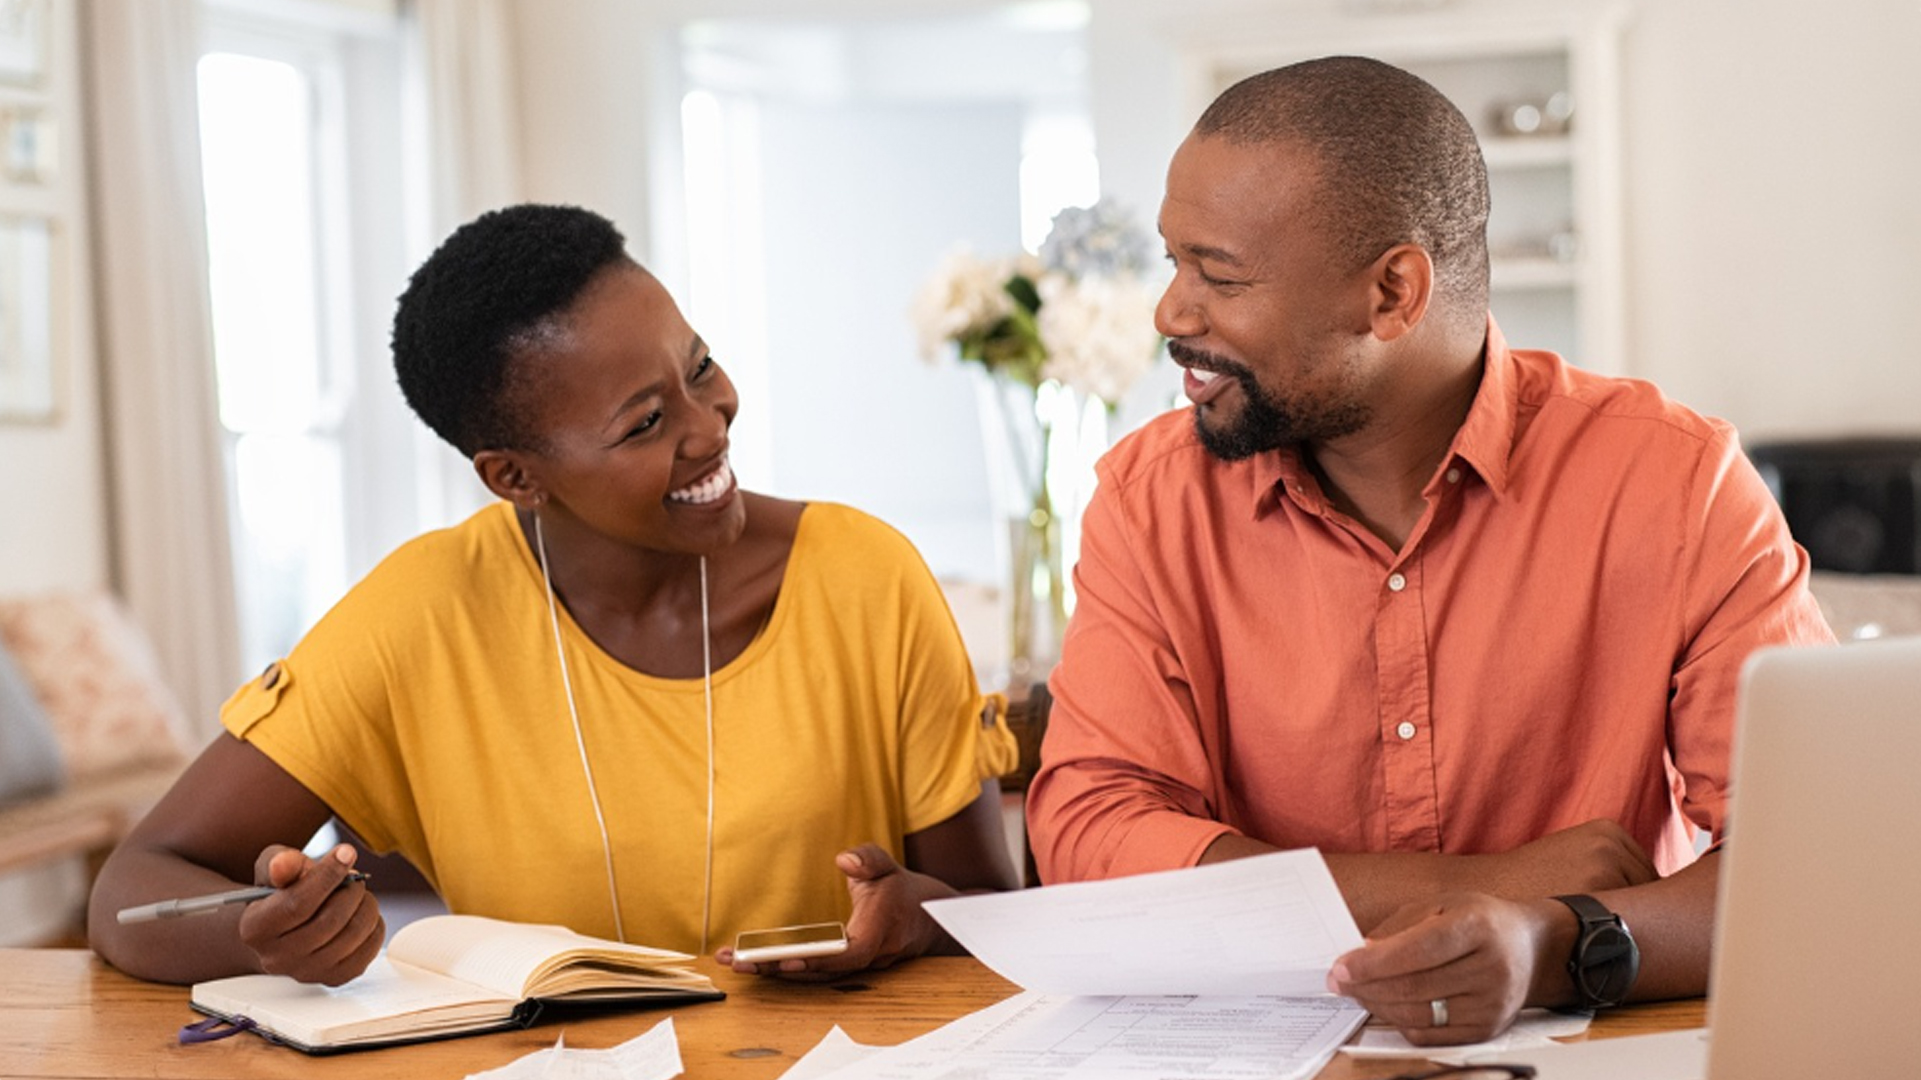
pixel 1454 476
pixel 1406 730
pixel 1396 582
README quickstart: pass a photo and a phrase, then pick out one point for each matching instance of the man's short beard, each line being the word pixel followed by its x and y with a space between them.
pixel 1264 423
pixel 1261 425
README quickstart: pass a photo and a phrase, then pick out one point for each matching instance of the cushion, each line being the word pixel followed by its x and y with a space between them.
pixel 95 674
pixel 29 755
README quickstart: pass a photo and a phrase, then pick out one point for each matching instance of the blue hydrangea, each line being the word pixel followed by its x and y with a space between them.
pixel 1097 241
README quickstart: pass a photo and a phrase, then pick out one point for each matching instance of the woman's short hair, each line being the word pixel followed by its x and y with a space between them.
pixel 478 300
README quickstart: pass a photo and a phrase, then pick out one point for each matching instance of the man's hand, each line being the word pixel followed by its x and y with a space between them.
pixel 888 924
pixel 319 928
pixel 1484 956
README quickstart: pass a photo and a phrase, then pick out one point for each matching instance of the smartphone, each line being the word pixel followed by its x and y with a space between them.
pixel 790 942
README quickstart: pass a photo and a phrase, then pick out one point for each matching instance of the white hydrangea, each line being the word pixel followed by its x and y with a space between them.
pixel 1099 332
pixel 966 296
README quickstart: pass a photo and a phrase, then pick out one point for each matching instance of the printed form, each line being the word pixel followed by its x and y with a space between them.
pixel 1214 971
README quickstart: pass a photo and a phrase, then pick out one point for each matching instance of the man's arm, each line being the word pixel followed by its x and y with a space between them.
pixel 1488 957
pixel 1589 858
pixel 1128 781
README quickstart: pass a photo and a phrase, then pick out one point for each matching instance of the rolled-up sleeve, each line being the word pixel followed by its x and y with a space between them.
pixel 1746 588
pixel 1126 785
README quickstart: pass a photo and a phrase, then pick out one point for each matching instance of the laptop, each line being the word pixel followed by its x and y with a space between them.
pixel 1817 953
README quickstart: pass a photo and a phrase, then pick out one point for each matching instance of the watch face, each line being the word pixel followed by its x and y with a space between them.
pixel 1608 962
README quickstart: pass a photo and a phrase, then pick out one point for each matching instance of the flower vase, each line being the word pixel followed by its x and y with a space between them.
pixel 1017 432
pixel 1037 593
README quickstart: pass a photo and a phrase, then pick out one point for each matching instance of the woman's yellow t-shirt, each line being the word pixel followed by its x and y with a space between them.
pixel 427 710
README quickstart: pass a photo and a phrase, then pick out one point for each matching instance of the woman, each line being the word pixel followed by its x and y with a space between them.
pixel 629 697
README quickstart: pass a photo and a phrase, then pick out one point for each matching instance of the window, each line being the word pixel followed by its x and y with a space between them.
pixel 293 122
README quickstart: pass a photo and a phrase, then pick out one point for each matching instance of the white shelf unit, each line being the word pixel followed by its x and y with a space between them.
pixel 1554 231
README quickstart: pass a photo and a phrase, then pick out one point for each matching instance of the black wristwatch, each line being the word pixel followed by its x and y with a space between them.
pixel 1605 959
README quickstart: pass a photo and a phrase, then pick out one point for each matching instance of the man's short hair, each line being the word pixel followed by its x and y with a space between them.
pixel 474 304
pixel 1398 162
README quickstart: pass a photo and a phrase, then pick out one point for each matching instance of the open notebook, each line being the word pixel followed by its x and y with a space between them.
pixel 449 975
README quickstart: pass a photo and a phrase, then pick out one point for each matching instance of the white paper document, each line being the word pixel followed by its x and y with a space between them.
pixel 1532 1028
pixel 654 1055
pixel 1272 924
pixel 1216 971
pixel 1057 1037
pixel 835 1051
pixel 1666 1055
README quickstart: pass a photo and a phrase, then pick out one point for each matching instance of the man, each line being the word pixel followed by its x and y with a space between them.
pixel 1467 619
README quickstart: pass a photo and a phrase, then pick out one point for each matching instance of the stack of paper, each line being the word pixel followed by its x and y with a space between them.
pixel 1218 970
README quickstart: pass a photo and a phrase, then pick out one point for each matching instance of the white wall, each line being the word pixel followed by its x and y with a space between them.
pixel 53 532
pixel 861 202
pixel 587 73
pixel 1771 151
pixel 1773 161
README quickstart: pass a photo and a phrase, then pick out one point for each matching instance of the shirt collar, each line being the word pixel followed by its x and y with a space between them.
pixel 1485 440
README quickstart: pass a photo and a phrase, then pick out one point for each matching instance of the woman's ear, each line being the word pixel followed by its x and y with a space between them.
pixel 508 477
pixel 1403 285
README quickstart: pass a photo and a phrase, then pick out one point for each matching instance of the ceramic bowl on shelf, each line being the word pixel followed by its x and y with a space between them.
pixel 1548 115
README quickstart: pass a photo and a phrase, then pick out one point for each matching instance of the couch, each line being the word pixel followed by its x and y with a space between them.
pixel 90 736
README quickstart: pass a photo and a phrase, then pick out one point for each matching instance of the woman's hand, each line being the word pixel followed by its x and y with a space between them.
pixel 320 927
pixel 888 924
pixel 1482 956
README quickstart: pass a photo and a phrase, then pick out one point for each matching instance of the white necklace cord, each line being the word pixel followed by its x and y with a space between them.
pixel 580 741
pixel 707 689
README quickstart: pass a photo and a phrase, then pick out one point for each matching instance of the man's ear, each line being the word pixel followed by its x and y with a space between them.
pixel 507 476
pixel 1403 282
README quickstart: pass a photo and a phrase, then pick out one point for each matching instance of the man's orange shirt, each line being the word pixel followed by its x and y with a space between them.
pixel 1559 639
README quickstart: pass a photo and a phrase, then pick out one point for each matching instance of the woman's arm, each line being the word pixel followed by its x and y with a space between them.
pixel 235 818
pixel 965 853
pixel 969 850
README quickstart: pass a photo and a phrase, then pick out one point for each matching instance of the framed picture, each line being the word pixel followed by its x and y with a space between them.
pixel 23 41
pixel 27 148
pixel 26 319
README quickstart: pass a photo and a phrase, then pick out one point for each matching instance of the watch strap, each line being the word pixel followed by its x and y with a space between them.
pixel 1605 960
pixel 1589 910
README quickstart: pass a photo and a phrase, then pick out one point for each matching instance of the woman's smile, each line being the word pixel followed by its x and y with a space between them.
pixel 711 488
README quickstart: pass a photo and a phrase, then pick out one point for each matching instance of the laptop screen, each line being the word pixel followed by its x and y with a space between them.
pixel 1817 958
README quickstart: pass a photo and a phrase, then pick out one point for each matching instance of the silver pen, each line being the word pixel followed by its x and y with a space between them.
pixel 201 905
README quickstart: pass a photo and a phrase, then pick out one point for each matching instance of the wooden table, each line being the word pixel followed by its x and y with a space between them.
pixel 64 1013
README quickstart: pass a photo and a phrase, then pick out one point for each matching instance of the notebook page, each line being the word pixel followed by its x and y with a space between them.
pixel 386 999
pixel 504 957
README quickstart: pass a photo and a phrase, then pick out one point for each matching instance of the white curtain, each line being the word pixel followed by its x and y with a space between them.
pixel 466 69
pixel 467 59
pixel 167 482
